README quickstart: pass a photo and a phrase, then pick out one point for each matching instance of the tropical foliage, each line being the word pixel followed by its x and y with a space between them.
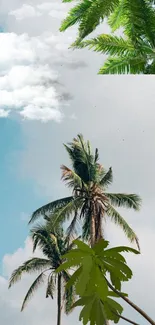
pixel 90 202
pixel 91 285
pixel 53 245
pixel 133 52
pixel 96 293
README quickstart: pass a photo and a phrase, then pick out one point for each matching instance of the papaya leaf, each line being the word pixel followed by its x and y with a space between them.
pixel 74 278
pixel 100 246
pixel 84 247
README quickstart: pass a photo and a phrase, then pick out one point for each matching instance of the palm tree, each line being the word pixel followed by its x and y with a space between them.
pixel 53 245
pixel 133 52
pixel 90 202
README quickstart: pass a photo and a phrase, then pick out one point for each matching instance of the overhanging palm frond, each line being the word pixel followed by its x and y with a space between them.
pixel 107 178
pixel 139 20
pixel 109 44
pixel 117 19
pixel 131 201
pixel 50 207
pixel 119 220
pixel 75 14
pixel 95 14
pixel 30 266
pixel 125 64
pixel 38 281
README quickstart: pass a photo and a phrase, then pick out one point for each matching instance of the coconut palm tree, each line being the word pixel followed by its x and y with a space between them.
pixel 90 202
pixel 53 245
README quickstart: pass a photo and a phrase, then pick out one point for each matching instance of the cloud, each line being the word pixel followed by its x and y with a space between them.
pixel 53 9
pixel 25 11
pixel 27 82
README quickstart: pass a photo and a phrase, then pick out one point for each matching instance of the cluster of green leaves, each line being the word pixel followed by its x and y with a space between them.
pixel 91 266
pixel 133 52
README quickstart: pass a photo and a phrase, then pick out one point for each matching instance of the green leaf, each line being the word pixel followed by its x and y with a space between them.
pixel 84 247
pixel 74 278
pixel 100 246
pixel 84 277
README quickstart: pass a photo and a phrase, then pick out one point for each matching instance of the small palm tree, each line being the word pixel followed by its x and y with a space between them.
pixel 53 245
pixel 90 202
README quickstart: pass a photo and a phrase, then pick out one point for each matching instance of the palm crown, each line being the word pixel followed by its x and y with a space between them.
pixel 90 202
pixel 53 245
pixel 133 52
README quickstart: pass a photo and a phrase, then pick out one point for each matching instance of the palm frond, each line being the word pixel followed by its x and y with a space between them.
pixel 127 64
pixel 50 286
pixel 72 228
pixel 120 221
pixel 35 285
pixel 82 159
pixel 131 201
pixel 107 178
pixel 139 20
pixel 32 265
pixel 117 19
pixel 45 242
pixel 108 44
pixel 50 207
pixel 95 14
pixel 71 178
pixel 75 14
pixel 64 213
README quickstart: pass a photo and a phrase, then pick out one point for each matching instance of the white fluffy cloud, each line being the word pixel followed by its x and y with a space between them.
pixel 28 75
pixel 53 9
pixel 26 80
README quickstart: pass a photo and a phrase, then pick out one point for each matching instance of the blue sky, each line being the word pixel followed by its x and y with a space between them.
pixel 17 194
pixel 48 94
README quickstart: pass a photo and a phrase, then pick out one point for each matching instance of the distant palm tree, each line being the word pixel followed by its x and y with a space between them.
pixel 53 245
pixel 90 202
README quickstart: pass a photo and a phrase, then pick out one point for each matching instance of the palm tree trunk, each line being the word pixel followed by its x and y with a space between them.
pixel 92 230
pixel 59 300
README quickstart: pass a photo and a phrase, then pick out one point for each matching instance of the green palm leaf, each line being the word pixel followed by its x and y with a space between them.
pixel 131 201
pixel 124 65
pixel 38 281
pixel 117 19
pixel 50 207
pixel 71 178
pixel 50 286
pixel 119 220
pixel 75 14
pixel 107 178
pixel 32 265
pixel 108 44
pixel 65 212
pixel 95 14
